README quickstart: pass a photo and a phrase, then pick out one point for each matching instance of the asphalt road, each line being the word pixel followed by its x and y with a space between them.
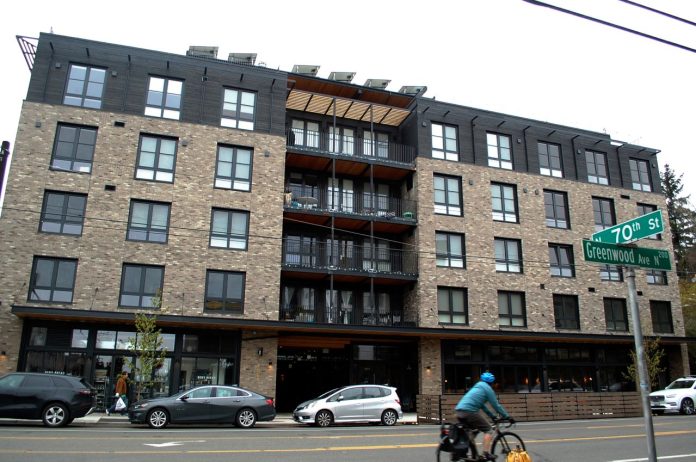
pixel 606 440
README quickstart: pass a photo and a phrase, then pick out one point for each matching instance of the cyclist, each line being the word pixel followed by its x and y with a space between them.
pixel 472 402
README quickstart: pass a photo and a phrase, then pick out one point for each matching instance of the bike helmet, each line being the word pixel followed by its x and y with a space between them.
pixel 488 377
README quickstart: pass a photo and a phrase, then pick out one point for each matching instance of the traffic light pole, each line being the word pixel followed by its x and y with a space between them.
pixel 640 363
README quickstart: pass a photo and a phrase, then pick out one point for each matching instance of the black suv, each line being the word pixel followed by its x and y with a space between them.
pixel 55 399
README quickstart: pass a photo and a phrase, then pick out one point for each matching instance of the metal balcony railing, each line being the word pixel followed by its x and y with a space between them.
pixel 348 202
pixel 332 315
pixel 350 146
pixel 345 256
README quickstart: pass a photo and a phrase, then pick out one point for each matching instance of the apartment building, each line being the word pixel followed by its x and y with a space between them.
pixel 295 233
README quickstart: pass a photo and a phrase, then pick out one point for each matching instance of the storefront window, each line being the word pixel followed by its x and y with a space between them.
pixel 106 339
pixel 124 340
pixel 38 336
pixel 58 362
pixel 79 338
pixel 206 371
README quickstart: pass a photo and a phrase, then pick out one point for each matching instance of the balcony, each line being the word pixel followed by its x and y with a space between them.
pixel 344 316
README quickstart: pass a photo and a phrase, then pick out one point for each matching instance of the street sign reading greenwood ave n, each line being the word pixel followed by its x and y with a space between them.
pixel 632 230
pixel 612 254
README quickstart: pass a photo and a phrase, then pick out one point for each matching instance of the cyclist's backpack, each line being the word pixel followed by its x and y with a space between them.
pixel 518 455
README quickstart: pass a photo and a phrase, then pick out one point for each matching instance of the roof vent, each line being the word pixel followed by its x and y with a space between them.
pixel 305 69
pixel 202 52
pixel 377 83
pixel 413 90
pixel 342 76
pixel 242 58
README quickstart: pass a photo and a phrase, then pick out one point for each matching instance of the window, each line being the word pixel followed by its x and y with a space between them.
pixel 140 284
pixel 342 140
pixel 566 312
pixel 448 198
pixel 615 314
pixel 508 255
pixel 550 159
pixel 444 139
pixel 63 213
pixel 229 229
pixel 164 98
pixel 52 280
pixel 596 167
pixel 148 221
pixel 499 151
pixel 74 148
pixel 156 159
pixel 644 209
pixel 561 260
pixel 233 168
pixel 656 277
pixel 452 305
pixel 640 175
pixel 610 273
pixel 603 213
pixel 504 202
pixel 450 250
pixel 238 109
pixel 661 314
pixel 224 291
pixel 376 144
pixel 304 133
pixel 85 86
pixel 511 309
pixel 556 207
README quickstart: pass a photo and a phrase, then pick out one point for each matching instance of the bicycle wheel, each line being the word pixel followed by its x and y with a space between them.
pixel 505 442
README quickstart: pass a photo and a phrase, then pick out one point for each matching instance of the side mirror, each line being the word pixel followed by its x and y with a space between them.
pixel 340 398
pixel 184 398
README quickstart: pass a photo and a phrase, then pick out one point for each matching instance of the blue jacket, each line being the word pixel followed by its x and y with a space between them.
pixel 476 398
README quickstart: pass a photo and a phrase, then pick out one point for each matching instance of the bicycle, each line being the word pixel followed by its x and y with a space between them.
pixel 459 441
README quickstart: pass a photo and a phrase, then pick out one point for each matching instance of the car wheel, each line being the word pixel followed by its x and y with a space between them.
pixel 246 418
pixel 157 418
pixel 389 417
pixel 323 418
pixel 55 415
pixel 687 407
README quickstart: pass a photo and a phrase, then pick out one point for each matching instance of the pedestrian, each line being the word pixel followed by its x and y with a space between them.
pixel 472 402
pixel 121 392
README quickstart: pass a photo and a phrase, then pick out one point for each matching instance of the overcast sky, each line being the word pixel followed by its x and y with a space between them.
pixel 501 55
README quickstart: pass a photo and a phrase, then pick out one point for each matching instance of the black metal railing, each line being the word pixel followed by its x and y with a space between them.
pixel 348 316
pixel 350 146
pixel 345 256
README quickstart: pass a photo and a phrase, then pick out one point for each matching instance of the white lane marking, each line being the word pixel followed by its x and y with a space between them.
pixel 171 443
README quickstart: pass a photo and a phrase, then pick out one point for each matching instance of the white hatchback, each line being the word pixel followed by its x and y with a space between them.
pixel 679 395
pixel 355 403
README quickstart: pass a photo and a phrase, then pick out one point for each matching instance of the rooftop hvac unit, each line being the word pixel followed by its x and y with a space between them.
pixel 413 90
pixel 242 58
pixel 377 83
pixel 202 52
pixel 342 76
pixel 305 69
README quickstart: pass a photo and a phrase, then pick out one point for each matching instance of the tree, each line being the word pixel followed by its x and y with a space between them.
pixel 682 219
pixel 148 346
pixel 653 360
pixel 687 291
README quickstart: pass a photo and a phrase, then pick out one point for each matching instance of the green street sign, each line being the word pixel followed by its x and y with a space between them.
pixel 632 230
pixel 612 254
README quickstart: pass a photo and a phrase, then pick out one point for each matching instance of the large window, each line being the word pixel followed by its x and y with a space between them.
pixel 656 277
pixel 448 197
pixel 566 312
pixel 224 292
pixel 74 148
pixel 233 168
pixel 550 159
pixel 644 209
pixel 661 314
pixel 596 163
pixel 52 280
pixel 342 140
pixel 504 202
pixel 238 109
pixel 156 159
pixel 444 142
pixel 63 213
pixel 499 151
pixel 140 284
pixel 603 213
pixel 85 86
pixel 450 250
pixel 229 229
pixel 615 314
pixel 511 309
pixel 640 174
pixel 304 133
pixel 149 221
pixel 611 273
pixel 508 255
pixel 556 209
pixel 164 98
pixel 375 144
pixel 561 260
pixel 452 305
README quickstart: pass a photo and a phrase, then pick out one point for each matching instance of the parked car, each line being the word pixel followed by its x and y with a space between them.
pixel 55 399
pixel 355 403
pixel 679 395
pixel 205 404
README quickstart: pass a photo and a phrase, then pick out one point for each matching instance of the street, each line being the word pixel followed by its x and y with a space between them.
pixel 606 440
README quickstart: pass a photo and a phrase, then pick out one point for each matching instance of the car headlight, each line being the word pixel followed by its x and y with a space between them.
pixel 310 405
pixel 673 395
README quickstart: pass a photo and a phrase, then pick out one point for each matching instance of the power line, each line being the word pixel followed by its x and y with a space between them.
pixel 610 24
pixel 663 13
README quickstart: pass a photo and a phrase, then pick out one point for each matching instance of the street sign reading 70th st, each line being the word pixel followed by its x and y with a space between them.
pixel 632 230
pixel 612 254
